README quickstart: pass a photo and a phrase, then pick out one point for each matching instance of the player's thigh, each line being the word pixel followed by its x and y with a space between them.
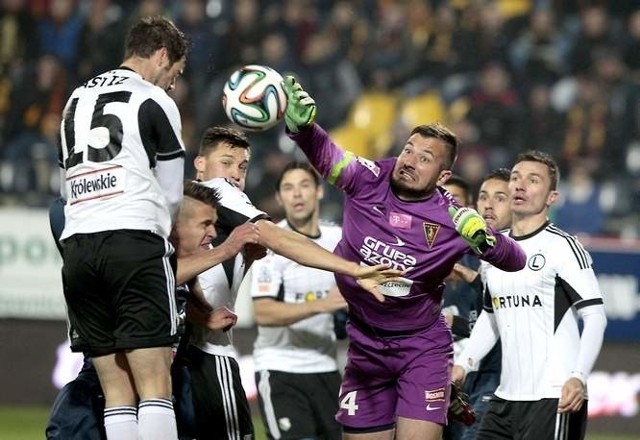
pixel 285 405
pixel 150 368
pixel 89 303
pixel 218 396
pixel 417 429
pixel 116 379
pixel 142 270
pixel 541 421
pixel 323 390
pixel 497 422
pixel 424 384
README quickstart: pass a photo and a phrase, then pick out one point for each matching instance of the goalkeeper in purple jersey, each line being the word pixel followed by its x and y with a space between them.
pixel 396 381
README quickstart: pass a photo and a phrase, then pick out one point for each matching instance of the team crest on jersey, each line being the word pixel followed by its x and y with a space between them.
pixel 370 165
pixel 430 232
pixel 536 262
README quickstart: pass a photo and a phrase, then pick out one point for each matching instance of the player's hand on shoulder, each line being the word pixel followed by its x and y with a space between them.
pixel 246 233
pixel 221 318
pixel 572 396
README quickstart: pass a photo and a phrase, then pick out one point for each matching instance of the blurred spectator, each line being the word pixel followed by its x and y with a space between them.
pixel 542 124
pixel 595 35
pixel 495 109
pixel 61 32
pixel 102 43
pixel 539 53
pixel 632 45
pixel 579 211
pixel 18 35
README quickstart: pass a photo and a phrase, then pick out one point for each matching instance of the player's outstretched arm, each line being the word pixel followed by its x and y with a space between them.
pixel 300 249
pixel 272 313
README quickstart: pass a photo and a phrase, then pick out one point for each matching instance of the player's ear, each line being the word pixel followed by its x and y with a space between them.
pixel 443 177
pixel 278 199
pixel 320 192
pixel 198 163
pixel 552 198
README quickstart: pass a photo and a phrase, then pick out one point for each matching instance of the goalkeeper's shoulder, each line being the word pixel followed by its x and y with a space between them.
pixel 506 254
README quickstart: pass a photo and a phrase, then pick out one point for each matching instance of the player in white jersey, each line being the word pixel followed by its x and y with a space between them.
pixel 221 407
pixel 535 311
pixel 122 160
pixel 295 352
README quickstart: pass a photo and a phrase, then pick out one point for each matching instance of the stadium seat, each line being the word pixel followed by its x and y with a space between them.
pixel 353 139
pixel 422 109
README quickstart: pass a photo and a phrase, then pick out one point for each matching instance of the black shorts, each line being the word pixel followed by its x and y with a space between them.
pixel 219 401
pixel 296 405
pixel 120 291
pixel 537 420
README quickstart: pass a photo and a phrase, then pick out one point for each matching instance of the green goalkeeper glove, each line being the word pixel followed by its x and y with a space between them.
pixel 301 108
pixel 472 227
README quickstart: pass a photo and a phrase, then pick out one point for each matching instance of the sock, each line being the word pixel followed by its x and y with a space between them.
pixel 156 420
pixel 121 423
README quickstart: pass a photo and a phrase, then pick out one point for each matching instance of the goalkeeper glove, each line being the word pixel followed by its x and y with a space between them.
pixel 472 227
pixel 301 108
pixel 460 409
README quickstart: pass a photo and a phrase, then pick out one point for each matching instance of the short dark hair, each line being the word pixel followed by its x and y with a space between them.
pixel 462 183
pixel 152 33
pixel 503 174
pixel 201 193
pixel 439 131
pixel 298 165
pixel 543 158
pixel 214 136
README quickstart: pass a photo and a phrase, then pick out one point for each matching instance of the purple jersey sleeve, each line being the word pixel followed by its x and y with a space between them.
pixel 378 227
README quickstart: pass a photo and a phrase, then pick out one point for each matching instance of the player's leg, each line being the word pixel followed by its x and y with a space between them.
pixel 286 405
pixel 498 420
pixel 541 421
pixel 368 396
pixel 220 403
pixel 480 391
pixel 77 411
pixel 323 389
pixel 120 412
pixel 424 386
pixel 142 271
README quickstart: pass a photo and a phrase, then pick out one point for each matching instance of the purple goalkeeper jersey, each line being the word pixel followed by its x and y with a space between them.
pixel 378 227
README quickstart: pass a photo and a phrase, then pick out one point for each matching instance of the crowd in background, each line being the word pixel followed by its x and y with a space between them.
pixel 562 76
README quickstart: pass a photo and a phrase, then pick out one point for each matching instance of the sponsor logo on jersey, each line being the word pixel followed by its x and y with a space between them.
pixel 396 288
pixel 401 221
pixel 513 301
pixel 97 184
pixel 430 232
pixel 536 262
pixel 370 165
pixel 436 395
pixel 375 251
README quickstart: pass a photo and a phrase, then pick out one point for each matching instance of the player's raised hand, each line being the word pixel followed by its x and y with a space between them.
pixel 301 108
pixel 242 235
pixel 473 228
pixel 371 277
pixel 572 396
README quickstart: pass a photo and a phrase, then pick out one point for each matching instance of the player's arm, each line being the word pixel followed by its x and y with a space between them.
pixel 200 312
pixel 483 337
pixel 191 266
pixel 161 135
pixel 272 313
pixel 304 251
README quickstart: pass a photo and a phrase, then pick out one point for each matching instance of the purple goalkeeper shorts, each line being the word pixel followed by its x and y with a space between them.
pixel 389 376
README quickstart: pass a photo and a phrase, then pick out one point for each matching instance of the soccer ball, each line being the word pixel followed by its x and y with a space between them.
pixel 253 97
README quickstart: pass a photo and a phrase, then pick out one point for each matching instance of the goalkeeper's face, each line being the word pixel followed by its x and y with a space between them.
pixel 420 167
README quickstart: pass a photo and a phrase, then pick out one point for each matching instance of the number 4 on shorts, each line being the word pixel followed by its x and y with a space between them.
pixel 348 402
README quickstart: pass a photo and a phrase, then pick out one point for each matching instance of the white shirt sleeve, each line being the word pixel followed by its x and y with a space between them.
pixel 595 322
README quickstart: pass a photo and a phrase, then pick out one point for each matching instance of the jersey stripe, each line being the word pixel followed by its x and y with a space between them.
pixel 588 302
pixel 577 249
